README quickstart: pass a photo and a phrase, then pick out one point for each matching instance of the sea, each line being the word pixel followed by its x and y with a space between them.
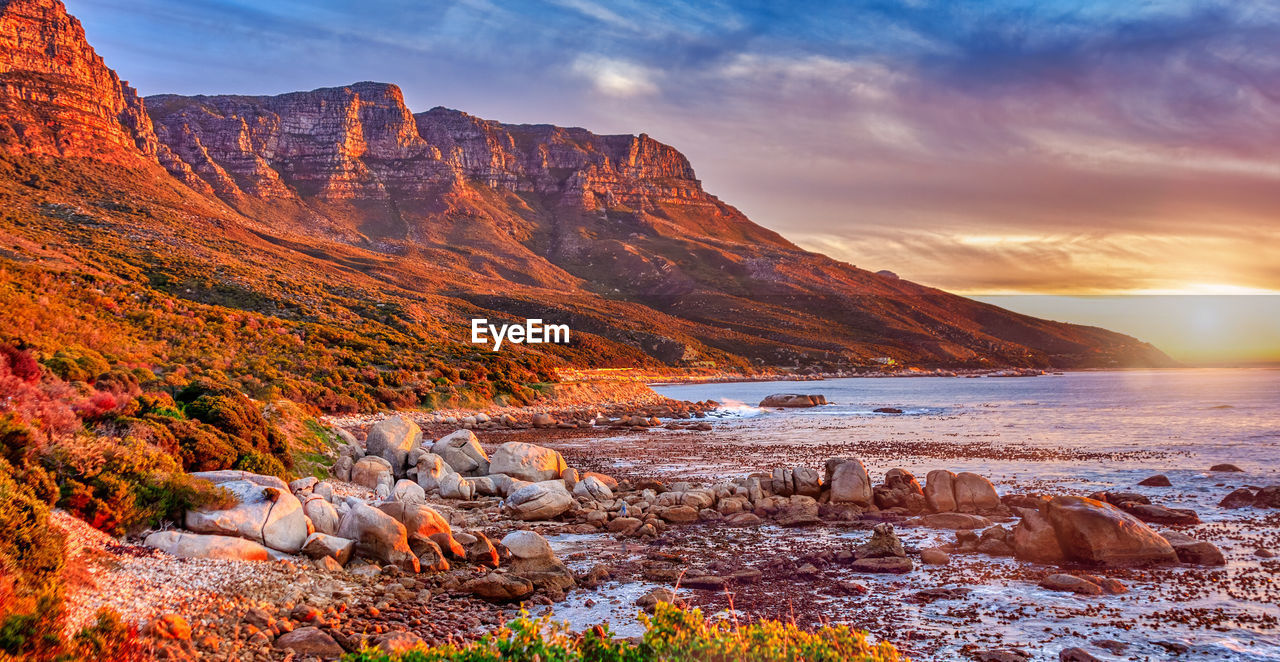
pixel 1067 433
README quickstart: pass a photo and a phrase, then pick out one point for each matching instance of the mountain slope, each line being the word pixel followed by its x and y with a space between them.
pixel 340 208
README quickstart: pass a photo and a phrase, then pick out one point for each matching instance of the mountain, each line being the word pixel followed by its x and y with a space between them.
pixel 340 208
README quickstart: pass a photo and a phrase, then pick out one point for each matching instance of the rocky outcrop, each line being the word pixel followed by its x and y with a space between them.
pixel 792 400
pixel 1091 531
pixel 57 96
pixel 266 515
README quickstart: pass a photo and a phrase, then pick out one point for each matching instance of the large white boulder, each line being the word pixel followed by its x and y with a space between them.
pixel 462 451
pixel 527 462
pixel 539 501
pixel 392 439
pixel 196 546
pixel 267 515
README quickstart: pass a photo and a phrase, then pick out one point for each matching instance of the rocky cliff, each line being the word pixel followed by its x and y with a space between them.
pixel 445 212
pixel 57 97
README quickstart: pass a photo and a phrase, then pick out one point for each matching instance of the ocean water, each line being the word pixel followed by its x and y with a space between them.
pixel 1078 431
pixel 1060 434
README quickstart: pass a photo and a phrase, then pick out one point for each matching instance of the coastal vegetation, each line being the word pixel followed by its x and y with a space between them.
pixel 672 634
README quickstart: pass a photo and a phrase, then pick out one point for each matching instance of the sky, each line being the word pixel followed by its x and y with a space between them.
pixel 1069 150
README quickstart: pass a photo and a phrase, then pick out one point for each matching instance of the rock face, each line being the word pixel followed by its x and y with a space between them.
pixel 195 546
pixel 527 462
pixel 1091 531
pixel 57 97
pixel 265 515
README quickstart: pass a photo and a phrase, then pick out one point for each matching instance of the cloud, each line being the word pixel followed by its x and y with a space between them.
pixel 614 77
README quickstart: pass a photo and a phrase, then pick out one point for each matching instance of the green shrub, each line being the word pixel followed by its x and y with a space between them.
pixel 31 559
pixel 672 635
pixel 124 485
pixel 261 464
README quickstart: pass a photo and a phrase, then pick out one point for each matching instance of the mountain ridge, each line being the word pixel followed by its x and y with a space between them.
pixel 450 215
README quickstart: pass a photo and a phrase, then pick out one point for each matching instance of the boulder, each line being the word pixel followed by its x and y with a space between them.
pixel 266 515
pixel 884 543
pixel 1154 514
pixel 195 546
pixel 543 420
pixel 342 468
pixel 430 557
pixel 934 556
pixel 454 486
pixel 799 511
pixel 371 471
pixel 424 522
pixel 974 494
pixel 407 491
pixel 393 643
pixel 1226 468
pixel 1070 583
pixel 806 482
pixel 499 587
pixel 1195 552
pixel 481 551
pixel 231 475
pixel 848 482
pixel 538 501
pixel 319 545
pixel 609 481
pixel 322 514
pixel 592 488
pixel 462 452
pixel 677 514
pixel 304 484
pixel 954 521
pixel 1035 540
pixel 527 462
pixel 792 400
pixel 432 470
pixel 392 439
pixel 378 535
pixel 900 490
pixel 883 564
pixel 1158 480
pixel 939 491
pixel 527 545
pixel 1077 654
pixel 782 482
pixel 310 642
pixel 1090 531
